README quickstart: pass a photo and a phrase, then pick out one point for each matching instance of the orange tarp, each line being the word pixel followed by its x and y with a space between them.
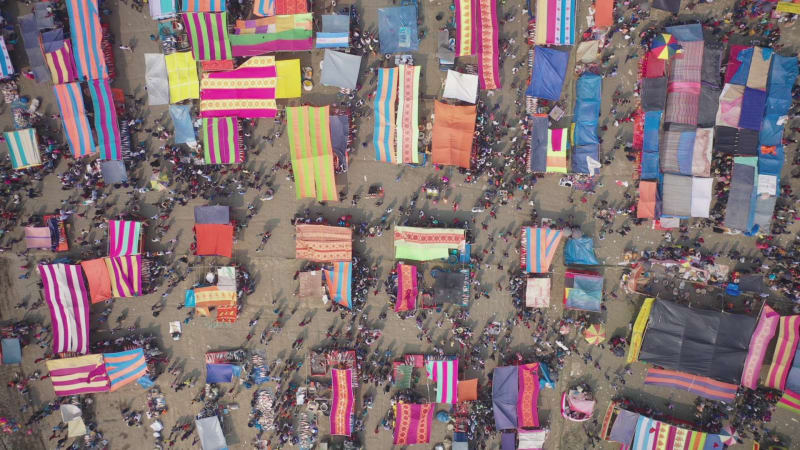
pixel 467 390
pixel 214 239
pixel 99 281
pixel 603 13
pixel 647 200
pixel 453 131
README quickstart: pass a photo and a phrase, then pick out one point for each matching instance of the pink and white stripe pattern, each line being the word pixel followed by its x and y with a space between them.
pixel 445 374
pixel 123 237
pixel 68 299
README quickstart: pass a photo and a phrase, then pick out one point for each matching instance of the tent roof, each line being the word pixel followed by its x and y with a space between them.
pixel 340 69
pixel 549 70
pixel 210 432
pixel 218 214
pixel 453 133
pixel 504 397
pixel 461 86
pixel 391 21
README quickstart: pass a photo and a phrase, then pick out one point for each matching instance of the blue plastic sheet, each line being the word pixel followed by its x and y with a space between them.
pixel 686 151
pixel 580 155
pixel 687 33
pixel 12 353
pixel 580 251
pixel 769 164
pixel 397 29
pixel 190 301
pixel 650 161
pixel 753 104
pixel 586 293
pixel 549 70
pixel 221 373
pixel 745 57
pixel 588 92
pixel 182 121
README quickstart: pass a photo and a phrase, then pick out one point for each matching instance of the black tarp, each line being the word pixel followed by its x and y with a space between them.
pixel 212 214
pixel 747 144
pixel 654 94
pixel 672 6
pixel 538 158
pixel 726 139
pixel 701 342
pixel 449 287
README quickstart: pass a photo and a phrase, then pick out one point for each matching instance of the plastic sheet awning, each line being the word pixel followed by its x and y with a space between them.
pixel 210 432
pixel 505 390
pixel 217 214
pixel 549 71
pixel 340 69
pixel 580 251
pixel 397 29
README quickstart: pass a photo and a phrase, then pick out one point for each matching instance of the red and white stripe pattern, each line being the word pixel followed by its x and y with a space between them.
pixel 68 299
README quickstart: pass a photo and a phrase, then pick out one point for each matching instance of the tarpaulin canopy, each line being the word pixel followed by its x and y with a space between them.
pixel 11 351
pixel 125 274
pixel 413 423
pixel 30 40
pixel 124 237
pixel 461 86
pixel 451 287
pixel 323 243
pixel 162 9
pixel 245 92
pixel 310 283
pixel 408 114
pixel 692 32
pixel 549 71
pixel 453 133
pixel 182 75
pixel 335 31
pixel 284 33
pixel 539 246
pixel 646 207
pixel 340 132
pixel 210 432
pixel 105 120
pixel 288 74
pixel 537 293
pixel 588 92
pixel 113 172
pixel 264 8
pixel 202 5
pixel 487 40
pixel 221 140
pixel 23 148
pixel 702 386
pixel 60 60
pixel 221 373
pixel 383 137
pixel 208 35
pixel 98 279
pixel 182 122
pixel 38 237
pixel 425 244
pixel 654 93
pixel 311 152
pixel 701 342
pixel 339 280
pixel 397 29
pixel 68 300
pixel 74 119
pixel 445 54
pixel 214 239
pixel 340 69
pixel 156 78
pixel 557 148
pixel 125 367
pixel 580 251
pixel 604 13
pixel 407 288
pixel 583 291
pixel 650 145
pixel 743 179
pixel 505 392
pixel 342 402
pixel 84 25
pixel 79 375
pixel 537 160
pixel 557 25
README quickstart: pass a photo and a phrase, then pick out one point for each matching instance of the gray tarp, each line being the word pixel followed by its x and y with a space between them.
pixel 340 69
pixel 336 23
pixel 212 214
pixel 765 206
pixel 53 40
pixel 709 103
pixel 30 38
pixel 677 195
pixel 712 59
pixel 210 432
pixel 443 51
pixel 726 139
pixel 711 86
pixel 747 144
pixel 793 379
pixel 182 122
pixel 505 390
pixel 654 94
pixel 701 342
pixel 340 125
pixel 113 172
pixel 44 18
pixel 449 287
pixel 753 283
pixel 156 80
pixel 737 214
pixel 672 6
pixel 538 159
pixel 624 427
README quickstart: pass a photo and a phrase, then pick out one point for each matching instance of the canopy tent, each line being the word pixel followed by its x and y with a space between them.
pixel 785 350
pixel 210 432
pixel 453 133
pixel 650 434
pixel 580 251
pixel 467 390
pixel 583 291
pixel 67 298
pixel 487 40
pixel 162 9
pixel 588 94
pixel 505 395
pixel 742 193
pixel 538 248
pixel 384 108
pixel 683 91
pixel 284 33
pixel 23 148
pixel 60 60
pixel 339 280
pixel 558 24
pixel 214 239
pixel 407 288
pixel 264 8
pixel 222 373
pixel 182 76
pixel 288 74
pixel 557 148
pixel 84 25
pixel 413 423
pixel 124 367
pixel 335 31
pixel 638 329
pixel 125 274
pixel 221 140
pixel 74 119
pixel 408 114
pixel 340 69
pixel 461 86
pixel 528 395
pixel 686 196
pixel 156 78
pixel 245 92
pixel 323 243
pixel 208 35
pixel 654 94
pixel 700 342
pixel 397 29
pixel 105 120
pixel 202 5
pixel 124 237
pixel 425 244
pixel 183 124
pixel 537 292
pixel 98 278
pixel 342 402
pixel 311 152
pixel 79 375
pixel 466 20
pixel 11 351
pixel 340 137
pixel 445 375
pixel 549 71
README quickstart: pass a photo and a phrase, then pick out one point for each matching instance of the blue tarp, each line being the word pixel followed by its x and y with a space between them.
pixel 580 251
pixel 687 33
pixel 397 29
pixel 769 164
pixel 12 353
pixel 581 155
pixel 753 104
pixel 588 92
pixel 686 151
pixel 650 161
pixel 549 70
pixel 222 373
pixel 182 121
pixel 585 293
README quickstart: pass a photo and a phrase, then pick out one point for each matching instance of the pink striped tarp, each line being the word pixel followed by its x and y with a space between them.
pixel 125 273
pixel 247 91
pixel 488 53
pixel 342 402
pixel 61 63
pixel 68 299
pixel 784 352
pixel 765 331
pixel 123 237
pixel 79 375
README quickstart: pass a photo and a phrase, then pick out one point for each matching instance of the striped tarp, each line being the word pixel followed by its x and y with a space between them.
pixel 528 396
pixel 124 237
pixel 702 386
pixel 408 114
pixel 285 33
pixel 6 68
pixel 265 8
pixel 79 375
pixel 247 91
pixel 323 243
pixel 23 148
pixel 488 51
pixel 161 9
pixel 221 140
pixel 445 375
pixel 125 273
pixel 539 247
pixel 425 244
pixel 335 31
pixel 407 288
pixel 182 75
pixel 385 127
pixel 652 434
pixel 413 423
pixel 342 402
pixel 557 146
pixel 38 237
pixel 74 119
pixel 759 342
pixel 60 61
pixel 66 295
pixel 556 24
pixel 105 120
pixel 784 352
pixel 311 152
pixel 125 367
pixel 791 401
pixel 84 25
pixel 208 35
pixel 465 27
pixel 339 279
pixel 202 5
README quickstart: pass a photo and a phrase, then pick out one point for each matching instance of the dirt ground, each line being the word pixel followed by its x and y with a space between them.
pixel 274 268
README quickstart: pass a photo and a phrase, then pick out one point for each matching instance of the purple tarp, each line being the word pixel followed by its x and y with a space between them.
pixel 753 104
pixel 504 397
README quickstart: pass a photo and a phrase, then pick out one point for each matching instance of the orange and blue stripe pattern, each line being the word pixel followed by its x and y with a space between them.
pixel 702 386
pixel 73 118
pixel 87 36
pixel 385 128
pixel 125 367
pixel 339 280
pixel 540 245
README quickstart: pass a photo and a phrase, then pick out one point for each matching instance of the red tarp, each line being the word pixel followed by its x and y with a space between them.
pixel 647 200
pixel 214 239
pixel 603 13
pixel 99 282
pixel 453 132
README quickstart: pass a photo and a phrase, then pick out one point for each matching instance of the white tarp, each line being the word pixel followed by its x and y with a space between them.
pixel 156 79
pixel 210 431
pixel 701 196
pixel 340 69
pixel 461 86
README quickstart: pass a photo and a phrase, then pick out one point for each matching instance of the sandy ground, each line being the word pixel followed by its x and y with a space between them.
pixel 273 269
